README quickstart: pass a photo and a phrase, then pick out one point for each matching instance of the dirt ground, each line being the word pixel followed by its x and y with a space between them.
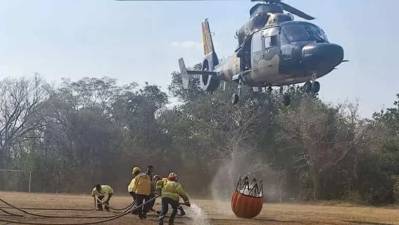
pixel 203 212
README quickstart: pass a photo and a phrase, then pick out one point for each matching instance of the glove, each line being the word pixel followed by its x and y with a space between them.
pixel 187 204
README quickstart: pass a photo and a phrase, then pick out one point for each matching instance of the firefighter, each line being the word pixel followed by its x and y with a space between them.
pixel 136 171
pixel 150 171
pixel 154 181
pixel 171 192
pixel 159 185
pixel 141 188
pixel 102 195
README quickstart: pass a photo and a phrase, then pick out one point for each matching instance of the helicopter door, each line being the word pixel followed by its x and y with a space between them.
pixel 245 56
pixel 265 53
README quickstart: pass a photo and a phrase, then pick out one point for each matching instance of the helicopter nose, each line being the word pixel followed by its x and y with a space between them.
pixel 322 57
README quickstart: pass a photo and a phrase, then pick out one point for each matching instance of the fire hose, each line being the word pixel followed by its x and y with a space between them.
pixel 114 209
pixel 66 209
pixel 107 219
pixel 10 213
pixel 122 209
pixel 49 216
pixel 50 209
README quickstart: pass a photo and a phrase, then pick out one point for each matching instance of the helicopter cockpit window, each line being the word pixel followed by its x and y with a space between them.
pixel 271 41
pixel 257 44
pixel 303 32
pixel 274 41
pixel 270 37
pixel 260 41
pixel 317 33
pixel 268 41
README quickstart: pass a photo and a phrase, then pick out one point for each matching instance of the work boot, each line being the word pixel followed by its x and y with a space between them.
pixel 171 222
pixel 106 208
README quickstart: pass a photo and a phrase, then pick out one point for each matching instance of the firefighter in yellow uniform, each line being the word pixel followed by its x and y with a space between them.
pixel 136 171
pixel 141 187
pixel 102 195
pixel 171 191
pixel 159 185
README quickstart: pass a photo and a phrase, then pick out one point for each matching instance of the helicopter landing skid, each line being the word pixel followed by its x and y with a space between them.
pixel 239 80
pixel 312 87
pixel 236 96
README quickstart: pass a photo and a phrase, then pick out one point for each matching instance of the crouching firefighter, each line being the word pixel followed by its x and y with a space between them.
pixel 171 191
pixel 102 195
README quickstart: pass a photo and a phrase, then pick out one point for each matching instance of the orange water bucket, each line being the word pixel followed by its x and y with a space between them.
pixel 247 200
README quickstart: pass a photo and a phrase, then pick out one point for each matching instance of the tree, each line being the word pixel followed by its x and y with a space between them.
pixel 320 137
pixel 20 101
pixel 378 166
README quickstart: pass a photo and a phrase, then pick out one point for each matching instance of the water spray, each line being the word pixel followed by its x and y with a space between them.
pixel 198 215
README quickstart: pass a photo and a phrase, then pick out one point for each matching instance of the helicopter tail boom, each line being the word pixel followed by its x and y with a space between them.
pixel 186 74
pixel 209 78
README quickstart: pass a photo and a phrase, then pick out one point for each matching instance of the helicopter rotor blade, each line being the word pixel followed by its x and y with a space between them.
pixel 295 11
pixel 171 0
pixel 285 6
pixel 267 1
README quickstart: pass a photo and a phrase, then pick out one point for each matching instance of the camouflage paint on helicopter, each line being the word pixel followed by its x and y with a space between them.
pixel 274 50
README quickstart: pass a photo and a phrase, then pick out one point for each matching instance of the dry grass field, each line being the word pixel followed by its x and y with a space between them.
pixel 207 212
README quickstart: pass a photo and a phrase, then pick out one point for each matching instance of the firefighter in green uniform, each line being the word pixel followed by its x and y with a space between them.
pixel 102 195
pixel 171 191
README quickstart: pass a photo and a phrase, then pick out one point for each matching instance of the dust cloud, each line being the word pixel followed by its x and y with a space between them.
pixel 243 162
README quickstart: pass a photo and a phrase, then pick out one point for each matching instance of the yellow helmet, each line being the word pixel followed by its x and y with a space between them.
pixel 136 170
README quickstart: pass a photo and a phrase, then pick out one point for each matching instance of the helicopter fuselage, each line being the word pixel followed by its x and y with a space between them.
pixel 287 53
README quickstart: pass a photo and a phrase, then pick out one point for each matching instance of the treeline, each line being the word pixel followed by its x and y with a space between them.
pixel 79 133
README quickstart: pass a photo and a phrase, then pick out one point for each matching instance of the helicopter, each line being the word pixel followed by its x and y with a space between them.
pixel 273 50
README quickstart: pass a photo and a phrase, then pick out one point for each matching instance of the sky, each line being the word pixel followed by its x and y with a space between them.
pixel 141 41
